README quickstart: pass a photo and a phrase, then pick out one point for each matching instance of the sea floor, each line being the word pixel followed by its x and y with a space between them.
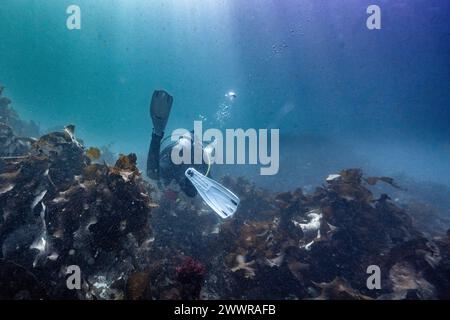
pixel 62 206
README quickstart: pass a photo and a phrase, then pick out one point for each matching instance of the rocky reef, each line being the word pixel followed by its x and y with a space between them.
pixel 303 246
pixel 61 206
pixel 319 246
pixel 58 209
pixel 11 118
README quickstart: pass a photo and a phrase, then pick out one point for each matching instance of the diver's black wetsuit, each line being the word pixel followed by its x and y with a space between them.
pixel 153 157
pixel 160 165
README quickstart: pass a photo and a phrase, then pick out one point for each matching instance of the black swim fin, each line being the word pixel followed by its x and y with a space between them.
pixel 220 199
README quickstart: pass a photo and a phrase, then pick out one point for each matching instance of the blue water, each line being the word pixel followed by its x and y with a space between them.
pixel 342 95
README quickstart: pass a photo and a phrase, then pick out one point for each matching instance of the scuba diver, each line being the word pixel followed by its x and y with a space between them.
pixel 160 166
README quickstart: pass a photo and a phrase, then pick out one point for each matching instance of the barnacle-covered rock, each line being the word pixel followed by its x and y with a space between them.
pixel 407 282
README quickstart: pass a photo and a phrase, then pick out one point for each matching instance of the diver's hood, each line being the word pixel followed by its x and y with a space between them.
pixel 188 141
pixel 220 199
pixel 180 140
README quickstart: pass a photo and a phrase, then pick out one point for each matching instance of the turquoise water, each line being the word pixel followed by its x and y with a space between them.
pixel 342 95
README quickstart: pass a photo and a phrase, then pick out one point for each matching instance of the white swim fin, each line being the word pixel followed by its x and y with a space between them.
pixel 220 199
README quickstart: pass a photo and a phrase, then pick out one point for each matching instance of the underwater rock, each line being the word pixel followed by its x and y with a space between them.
pixel 328 237
pixel 18 283
pixel 439 275
pixel 66 211
pixel 9 117
pixel 138 286
pixel 428 218
pixel 339 289
pixel 10 145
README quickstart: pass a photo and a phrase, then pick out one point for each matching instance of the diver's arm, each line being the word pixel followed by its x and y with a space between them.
pixel 159 112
